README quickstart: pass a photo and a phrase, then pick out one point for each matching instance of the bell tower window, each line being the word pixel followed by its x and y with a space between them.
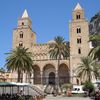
pixel 21 35
pixel 22 23
pixel 78 30
pixel 79 40
pixel 79 50
pixel 78 16
pixel 21 44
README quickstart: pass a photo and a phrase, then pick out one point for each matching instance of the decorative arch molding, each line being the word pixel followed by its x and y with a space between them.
pixel 48 66
pixel 38 64
pixel 49 63
pixel 66 63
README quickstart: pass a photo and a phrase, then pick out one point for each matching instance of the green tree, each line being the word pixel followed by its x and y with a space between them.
pixel 20 60
pixel 88 86
pixel 2 69
pixel 95 52
pixel 59 49
pixel 87 69
pixel 96 70
pixel 20 98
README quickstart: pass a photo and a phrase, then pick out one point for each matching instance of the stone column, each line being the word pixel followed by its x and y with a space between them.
pixel 57 78
pixel 32 82
pixel 33 76
pixel 41 73
pixel 24 77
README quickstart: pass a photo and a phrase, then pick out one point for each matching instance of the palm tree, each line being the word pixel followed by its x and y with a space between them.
pixel 87 69
pixel 59 49
pixel 19 60
pixel 95 52
pixel 96 70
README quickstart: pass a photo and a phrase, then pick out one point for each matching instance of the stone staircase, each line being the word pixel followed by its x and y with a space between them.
pixel 49 89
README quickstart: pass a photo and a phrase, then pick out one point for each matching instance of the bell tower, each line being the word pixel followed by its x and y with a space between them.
pixel 78 13
pixel 23 34
pixel 79 40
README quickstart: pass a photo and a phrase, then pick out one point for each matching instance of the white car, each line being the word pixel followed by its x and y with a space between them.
pixel 77 89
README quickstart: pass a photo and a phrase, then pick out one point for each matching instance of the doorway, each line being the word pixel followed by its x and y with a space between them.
pixel 52 78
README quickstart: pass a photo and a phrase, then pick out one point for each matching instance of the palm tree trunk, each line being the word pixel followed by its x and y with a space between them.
pixel 58 72
pixel 89 77
pixel 59 58
pixel 19 72
pixel 18 79
pixel 57 75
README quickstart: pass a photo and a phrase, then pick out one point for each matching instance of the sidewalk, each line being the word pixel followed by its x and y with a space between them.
pixel 50 97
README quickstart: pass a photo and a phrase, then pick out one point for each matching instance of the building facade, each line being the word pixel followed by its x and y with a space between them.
pixel 45 69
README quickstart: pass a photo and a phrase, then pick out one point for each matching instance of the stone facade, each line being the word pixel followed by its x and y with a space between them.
pixel 45 69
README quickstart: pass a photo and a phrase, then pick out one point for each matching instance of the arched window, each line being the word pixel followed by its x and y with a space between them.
pixel 78 30
pixel 22 23
pixel 79 40
pixel 78 16
pixel 79 50
pixel 21 34
pixel 21 44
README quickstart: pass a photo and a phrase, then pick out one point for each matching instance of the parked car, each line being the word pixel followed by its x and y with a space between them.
pixel 77 89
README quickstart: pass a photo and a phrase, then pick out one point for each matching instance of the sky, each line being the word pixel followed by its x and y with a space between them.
pixel 50 18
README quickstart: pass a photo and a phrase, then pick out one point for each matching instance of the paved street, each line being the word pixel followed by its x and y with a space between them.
pixel 50 97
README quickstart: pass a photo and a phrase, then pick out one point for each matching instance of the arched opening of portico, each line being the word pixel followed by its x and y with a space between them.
pixel 36 75
pixel 49 74
pixel 63 73
pixel 52 78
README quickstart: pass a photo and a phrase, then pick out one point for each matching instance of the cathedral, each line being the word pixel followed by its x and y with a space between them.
pixel 46 70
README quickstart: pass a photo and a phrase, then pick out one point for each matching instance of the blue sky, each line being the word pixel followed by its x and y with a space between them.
pixel 50 18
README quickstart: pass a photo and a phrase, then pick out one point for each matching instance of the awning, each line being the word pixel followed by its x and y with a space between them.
pixel 6 84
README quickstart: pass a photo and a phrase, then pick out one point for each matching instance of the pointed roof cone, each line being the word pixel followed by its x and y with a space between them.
pixel 25 14
pixel 78 7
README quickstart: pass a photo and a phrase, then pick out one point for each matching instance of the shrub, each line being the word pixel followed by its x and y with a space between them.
pixel 78 95
pixel 66 86
pixel 20 98
pixel 31 98
pixel 88 86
